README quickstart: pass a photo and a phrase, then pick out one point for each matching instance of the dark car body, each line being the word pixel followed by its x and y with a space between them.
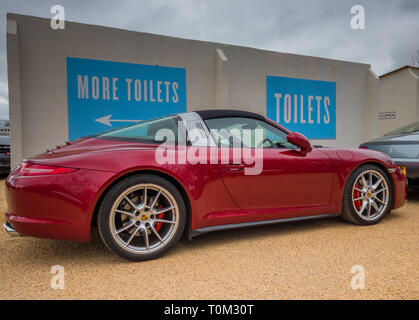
pixel 4 155
pixel 402 146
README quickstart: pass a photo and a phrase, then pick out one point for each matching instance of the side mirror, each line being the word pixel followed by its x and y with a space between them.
pixel 300 141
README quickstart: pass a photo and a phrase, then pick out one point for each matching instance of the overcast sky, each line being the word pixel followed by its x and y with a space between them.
pixel 316 28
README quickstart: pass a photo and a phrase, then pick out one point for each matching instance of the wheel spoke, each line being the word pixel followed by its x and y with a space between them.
pixel 129 225
pixel 364 184
pixel 132 236
pixel 368 209
pixel 360 198
pixel 164 221
pixel 378 199
pixel 155 199
pixel 360 190
pixel 125 212
pixel 156 233
pixel 164 210
pixel 145 196
pixel 145 235
pixel 370 180
pixel 374 205
pixel 375 186
pixel 364 204
pixel 130 202
pixel 377 192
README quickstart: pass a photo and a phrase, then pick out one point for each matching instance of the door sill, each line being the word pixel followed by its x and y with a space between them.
pixel 200 231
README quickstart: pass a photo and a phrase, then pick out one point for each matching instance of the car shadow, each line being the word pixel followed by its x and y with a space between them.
pixel 40 251
pixel 3 175
pixel 282 229
pixel 413 195
pixel 96 252
pixel 259 232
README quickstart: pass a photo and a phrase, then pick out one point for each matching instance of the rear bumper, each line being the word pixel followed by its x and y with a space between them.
pixel 10 230
pixel 54 206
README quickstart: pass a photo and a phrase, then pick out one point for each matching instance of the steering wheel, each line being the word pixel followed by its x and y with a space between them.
pixel 263 142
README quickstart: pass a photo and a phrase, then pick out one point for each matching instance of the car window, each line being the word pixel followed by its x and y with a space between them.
pixel 144 131
pixel 410 128
pixel 247 133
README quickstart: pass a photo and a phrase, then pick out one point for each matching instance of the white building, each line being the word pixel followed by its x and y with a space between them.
pixel 51 72
pixel 399 98
pixel 4 128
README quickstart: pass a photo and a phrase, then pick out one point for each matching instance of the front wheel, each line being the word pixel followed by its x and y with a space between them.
pixel 368 196
pixel 141 217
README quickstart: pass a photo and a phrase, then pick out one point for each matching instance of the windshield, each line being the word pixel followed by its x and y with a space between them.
pixel 410 128
pixel 142 132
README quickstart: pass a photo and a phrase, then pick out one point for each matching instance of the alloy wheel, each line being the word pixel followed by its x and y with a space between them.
pixel 370 195
pixel 144 218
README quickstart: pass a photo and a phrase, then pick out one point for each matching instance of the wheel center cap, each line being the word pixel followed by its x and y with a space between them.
pixel 144 217
pixel 369 194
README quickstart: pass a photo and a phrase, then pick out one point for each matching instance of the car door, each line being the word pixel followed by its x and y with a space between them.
pixel 287 177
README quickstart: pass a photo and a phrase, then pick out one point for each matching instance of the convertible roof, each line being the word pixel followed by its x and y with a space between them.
pixel 224 113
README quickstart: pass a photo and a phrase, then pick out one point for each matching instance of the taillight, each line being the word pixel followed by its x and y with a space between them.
pixel 363 147
pixel 29 169
pixel 7 153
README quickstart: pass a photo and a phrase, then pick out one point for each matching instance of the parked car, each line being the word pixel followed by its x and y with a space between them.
pixel 4 155
pixel 402 145
pixel 142 205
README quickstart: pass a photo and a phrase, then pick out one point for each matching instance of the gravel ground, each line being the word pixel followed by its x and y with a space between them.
pixel 301 260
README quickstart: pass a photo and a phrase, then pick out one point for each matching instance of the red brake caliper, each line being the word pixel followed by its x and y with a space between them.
pixel 159 216
pixel 357 194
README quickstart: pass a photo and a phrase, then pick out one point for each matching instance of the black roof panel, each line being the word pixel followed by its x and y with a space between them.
pixel 224 113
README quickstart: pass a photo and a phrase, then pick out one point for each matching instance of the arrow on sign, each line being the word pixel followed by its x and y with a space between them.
pixel 106 120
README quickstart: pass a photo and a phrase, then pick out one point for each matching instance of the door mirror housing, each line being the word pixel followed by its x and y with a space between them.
pixel 300 141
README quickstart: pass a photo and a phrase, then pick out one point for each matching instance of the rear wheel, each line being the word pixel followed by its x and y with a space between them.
pixel 368 196
pixel 141 217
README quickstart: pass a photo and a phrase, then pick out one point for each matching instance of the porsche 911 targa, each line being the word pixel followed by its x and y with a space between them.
pixel 146 184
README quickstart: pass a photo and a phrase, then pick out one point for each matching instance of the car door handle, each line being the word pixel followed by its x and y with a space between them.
pixel 233 167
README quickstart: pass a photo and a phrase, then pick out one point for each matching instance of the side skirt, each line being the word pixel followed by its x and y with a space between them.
pixel 198 232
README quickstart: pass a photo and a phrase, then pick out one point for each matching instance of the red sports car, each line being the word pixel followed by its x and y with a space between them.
pixel 146 184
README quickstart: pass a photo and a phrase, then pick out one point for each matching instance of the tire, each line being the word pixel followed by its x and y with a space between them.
pixel 139 230
pixel 355 209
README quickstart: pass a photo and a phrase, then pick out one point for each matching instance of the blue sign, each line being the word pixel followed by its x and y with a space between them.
pixel 306 106
pixel 103 94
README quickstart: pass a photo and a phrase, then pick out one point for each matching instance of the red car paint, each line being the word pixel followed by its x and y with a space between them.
pixel 292 184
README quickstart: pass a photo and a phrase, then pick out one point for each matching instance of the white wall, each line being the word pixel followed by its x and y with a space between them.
pixel 38 89
pixel 399 92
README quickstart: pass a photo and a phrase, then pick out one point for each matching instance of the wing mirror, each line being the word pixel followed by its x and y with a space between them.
pixel 300 141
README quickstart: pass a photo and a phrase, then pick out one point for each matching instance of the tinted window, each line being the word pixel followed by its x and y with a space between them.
pixel 144 131
pixel 410 128
pixel 242 132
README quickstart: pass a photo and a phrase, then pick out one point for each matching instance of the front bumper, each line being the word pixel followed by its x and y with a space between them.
pixel 400 187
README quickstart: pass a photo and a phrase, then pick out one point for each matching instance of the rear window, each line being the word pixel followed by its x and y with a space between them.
pixel 410 128
pixel 144 131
